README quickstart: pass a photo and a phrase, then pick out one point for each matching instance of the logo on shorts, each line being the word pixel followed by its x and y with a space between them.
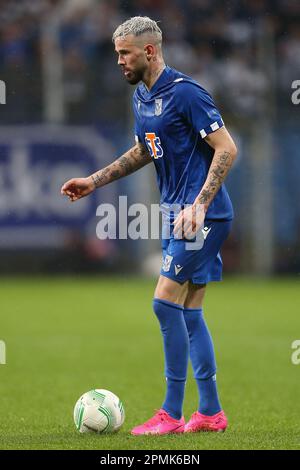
pixel 178 268
pixel 205 232
pixel 167 263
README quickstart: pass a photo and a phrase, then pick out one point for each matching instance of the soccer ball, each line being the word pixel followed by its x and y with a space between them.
pixel 99 411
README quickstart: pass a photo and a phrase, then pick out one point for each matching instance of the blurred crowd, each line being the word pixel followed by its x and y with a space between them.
pixel 246 52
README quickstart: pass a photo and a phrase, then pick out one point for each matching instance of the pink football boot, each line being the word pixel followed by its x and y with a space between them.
pixel 161 423
pixel 199 422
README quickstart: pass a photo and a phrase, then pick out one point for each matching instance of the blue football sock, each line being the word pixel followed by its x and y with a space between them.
pixel 203 361
pixel 176 349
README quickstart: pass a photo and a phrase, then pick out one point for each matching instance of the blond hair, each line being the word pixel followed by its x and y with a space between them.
pixel 137 26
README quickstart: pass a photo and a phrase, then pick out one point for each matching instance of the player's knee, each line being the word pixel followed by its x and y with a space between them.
pixel 156 306
pixel 161 309
pixel 195 296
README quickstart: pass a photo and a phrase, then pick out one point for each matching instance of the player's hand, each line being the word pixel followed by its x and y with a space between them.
pixel 76 188
pixel 189 221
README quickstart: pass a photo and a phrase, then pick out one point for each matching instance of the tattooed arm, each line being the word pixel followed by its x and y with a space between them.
pixel 191 219
pixel 137 157
pixel 224 156
pixel 134 159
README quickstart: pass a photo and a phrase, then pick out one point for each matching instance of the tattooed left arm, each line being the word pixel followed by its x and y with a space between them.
pixel 191 218
pixel 224 156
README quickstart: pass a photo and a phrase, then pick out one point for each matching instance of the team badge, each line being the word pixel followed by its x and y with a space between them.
pixel 158 107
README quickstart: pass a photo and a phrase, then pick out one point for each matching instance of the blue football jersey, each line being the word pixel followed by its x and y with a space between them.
pixel 172 120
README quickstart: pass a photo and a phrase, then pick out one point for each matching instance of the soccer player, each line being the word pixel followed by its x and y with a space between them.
pixel 180 130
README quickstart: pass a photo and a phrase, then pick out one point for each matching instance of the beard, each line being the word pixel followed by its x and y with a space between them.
pixel 134 77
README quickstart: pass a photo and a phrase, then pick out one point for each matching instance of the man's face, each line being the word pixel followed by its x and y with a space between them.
pixel 131 58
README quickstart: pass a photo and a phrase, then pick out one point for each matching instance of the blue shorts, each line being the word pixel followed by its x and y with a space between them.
pixel 200 265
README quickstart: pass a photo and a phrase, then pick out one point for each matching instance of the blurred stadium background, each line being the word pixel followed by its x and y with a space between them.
pixel 68 112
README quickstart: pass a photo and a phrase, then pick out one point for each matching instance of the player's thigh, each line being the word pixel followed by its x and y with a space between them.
pixel 172 291
pixel 195 295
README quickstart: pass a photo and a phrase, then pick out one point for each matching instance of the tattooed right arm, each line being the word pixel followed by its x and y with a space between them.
pixel 134 159
pixel 137 157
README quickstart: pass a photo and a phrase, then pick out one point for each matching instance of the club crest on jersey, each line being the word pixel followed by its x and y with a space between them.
pixel 158 107
pixel 154 145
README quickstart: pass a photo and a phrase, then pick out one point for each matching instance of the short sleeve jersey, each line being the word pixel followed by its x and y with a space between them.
pixel 172 120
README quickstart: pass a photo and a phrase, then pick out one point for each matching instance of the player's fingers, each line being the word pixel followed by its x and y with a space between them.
pixel 65 185
pixel 179 216
pixel 65 189
pixel 187 221
pixel 178 227
pixel 188 226
pixel 75 197
pixel 189 235
pixel 178 222
pixel 187 232
pixel 179 232
pixel 69 184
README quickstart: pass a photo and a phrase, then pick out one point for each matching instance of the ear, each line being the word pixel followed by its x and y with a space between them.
pixel 149 51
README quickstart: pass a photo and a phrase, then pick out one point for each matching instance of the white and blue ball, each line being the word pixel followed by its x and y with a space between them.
pixel 99 411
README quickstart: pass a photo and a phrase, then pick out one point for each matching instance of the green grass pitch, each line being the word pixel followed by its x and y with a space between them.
pixel 66 336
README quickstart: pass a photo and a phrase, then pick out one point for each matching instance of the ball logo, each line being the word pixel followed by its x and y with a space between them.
pixel 154 145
